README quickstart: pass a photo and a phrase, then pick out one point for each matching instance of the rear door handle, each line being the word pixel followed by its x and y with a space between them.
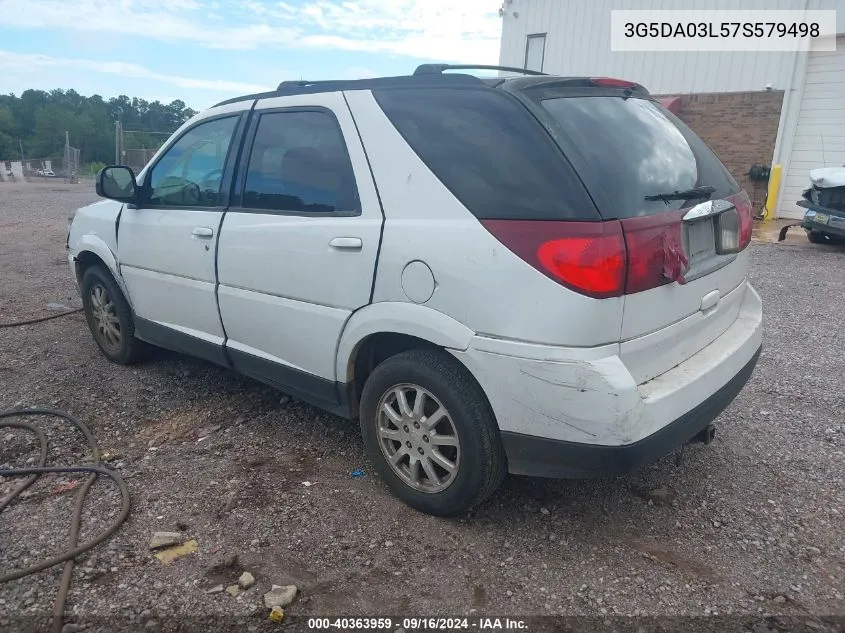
pixel 347 243
pixel 202 231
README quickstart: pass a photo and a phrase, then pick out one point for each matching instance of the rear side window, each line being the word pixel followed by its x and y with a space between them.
pixel 299 164
pixel 489 151
pixel 636 148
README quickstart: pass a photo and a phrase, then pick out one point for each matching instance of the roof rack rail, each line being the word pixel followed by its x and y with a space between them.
pixel 437 69
pixel 302 83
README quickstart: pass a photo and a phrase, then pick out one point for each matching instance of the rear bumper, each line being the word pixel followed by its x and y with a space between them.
pixel 574 412
pixel 542 457
pixel 835 224
pixel 831 229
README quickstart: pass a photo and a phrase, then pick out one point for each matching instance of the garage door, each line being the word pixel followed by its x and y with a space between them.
pixel 820 135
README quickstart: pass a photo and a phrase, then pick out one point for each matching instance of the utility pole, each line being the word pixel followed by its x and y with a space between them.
pixel 66 166
pixel 118 138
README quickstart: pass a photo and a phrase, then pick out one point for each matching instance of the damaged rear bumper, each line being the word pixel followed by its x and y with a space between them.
pixel 823 219
pixel 579 412
pixel 541 457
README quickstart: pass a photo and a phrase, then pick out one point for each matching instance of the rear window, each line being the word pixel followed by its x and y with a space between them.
pixel 489 151
pixel 635 148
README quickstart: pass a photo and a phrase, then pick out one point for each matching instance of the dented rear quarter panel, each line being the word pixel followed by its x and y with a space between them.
pixel 583 395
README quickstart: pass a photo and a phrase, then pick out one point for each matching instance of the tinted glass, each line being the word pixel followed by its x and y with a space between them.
pixel 299 163
pixel 641 150
pixel 190 173
pixel 489 151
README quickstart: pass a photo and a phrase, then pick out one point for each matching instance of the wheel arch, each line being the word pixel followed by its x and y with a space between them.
pixel 92 251
pixel 382 330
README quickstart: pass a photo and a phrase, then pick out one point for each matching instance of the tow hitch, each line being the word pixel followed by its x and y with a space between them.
pixel 705 435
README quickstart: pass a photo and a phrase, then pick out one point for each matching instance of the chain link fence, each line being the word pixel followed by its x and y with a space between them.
pixel 135 148
pixel 41 169
pixel 137 158
pixel 65 168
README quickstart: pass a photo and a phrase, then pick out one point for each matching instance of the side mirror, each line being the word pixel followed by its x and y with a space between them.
pixel 118 183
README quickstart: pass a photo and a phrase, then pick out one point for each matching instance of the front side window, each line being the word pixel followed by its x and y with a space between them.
pixel 191 171
pixel 299 164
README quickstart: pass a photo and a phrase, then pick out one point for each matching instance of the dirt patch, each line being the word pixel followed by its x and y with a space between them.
pixel 755 515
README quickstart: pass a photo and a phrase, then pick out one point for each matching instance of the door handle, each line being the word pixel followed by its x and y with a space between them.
pixel 347 243
pixel 202 231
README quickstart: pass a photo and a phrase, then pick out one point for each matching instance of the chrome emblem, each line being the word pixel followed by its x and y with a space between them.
pixel 707 209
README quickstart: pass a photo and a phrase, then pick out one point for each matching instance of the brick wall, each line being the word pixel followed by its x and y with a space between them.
pixel 740 127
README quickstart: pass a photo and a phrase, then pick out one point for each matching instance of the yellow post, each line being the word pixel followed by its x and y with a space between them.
pixel 772 196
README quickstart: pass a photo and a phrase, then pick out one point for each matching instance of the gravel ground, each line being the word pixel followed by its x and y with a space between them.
pixel 747 527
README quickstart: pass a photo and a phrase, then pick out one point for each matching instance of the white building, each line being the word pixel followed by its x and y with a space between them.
pixel 572 37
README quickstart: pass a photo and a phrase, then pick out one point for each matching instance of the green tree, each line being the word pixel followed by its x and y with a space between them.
pixel 39 119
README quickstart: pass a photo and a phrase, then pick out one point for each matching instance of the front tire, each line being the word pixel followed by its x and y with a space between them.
pixel 109 317
pixel 430 432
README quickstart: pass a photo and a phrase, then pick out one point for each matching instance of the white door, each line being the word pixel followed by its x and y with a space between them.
pixel 167 245
pixel 820 132
pixel 298 245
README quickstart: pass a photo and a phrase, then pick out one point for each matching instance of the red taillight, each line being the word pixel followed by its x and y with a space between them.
pixel 746 217
pixel 609 259
pixel 655 251
pixel 588 257
pixel 612 83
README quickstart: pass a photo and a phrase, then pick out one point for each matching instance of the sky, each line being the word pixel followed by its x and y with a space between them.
pixel 204 51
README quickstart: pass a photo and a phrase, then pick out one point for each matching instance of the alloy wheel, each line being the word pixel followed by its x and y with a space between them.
pixel 418 438
pixel 105 316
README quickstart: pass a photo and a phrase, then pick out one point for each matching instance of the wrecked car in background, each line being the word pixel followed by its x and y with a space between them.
pixel 824 200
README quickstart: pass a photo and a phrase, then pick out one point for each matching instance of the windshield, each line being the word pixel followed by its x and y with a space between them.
pixel 640 150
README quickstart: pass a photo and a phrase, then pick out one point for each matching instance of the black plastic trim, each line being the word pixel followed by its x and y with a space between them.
pixel 436 69
pixel 320 392
pixel 171 339
pixel 543 457
pixel 326 394
pixel 305 87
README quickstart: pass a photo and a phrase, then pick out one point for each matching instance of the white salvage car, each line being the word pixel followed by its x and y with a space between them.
pixel 824 201
pixel 540 275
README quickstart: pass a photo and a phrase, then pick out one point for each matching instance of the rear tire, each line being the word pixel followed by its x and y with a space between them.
pixel 109 317
pixel 438 446
pixel 816 237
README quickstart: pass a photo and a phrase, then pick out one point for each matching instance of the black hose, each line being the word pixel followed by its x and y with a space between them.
pixel 40 319
pixel 73 549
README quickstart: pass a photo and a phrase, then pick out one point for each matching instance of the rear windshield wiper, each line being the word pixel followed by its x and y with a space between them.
pixel 687 194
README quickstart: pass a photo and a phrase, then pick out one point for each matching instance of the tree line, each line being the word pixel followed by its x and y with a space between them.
pixel 37 120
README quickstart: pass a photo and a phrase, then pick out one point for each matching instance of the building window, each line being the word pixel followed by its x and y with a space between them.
pixel 535 51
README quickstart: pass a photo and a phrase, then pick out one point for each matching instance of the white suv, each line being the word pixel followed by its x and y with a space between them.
pixel 539 275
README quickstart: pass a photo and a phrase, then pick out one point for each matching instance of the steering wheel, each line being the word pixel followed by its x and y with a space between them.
pixel 210 178
pixel 191 194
